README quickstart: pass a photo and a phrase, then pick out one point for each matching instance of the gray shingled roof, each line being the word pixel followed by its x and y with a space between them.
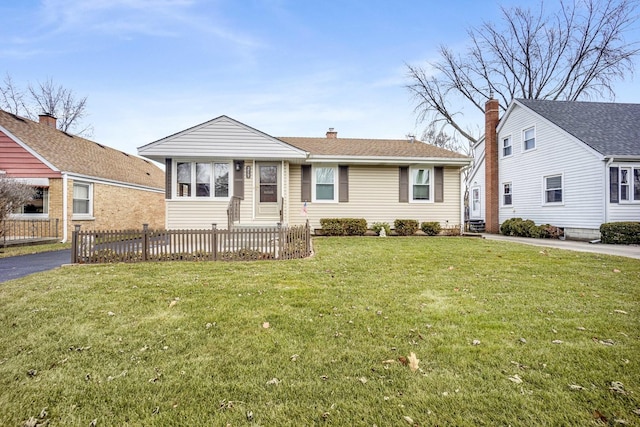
pixel 611 129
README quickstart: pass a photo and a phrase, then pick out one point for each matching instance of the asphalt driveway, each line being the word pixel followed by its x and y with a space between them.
pixel 23 265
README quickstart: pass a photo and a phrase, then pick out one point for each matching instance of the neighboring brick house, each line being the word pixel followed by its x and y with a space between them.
pixel 79 181
pixel 575 165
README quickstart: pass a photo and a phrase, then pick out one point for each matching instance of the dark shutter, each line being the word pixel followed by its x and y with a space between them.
pixel 439 182
pixel 167 178
pixel 404 184
pixel 343 194
pixel 306 184
pixel 613 185
pixel 238 179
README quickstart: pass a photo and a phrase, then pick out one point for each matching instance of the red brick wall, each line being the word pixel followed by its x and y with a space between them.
pixel 492 192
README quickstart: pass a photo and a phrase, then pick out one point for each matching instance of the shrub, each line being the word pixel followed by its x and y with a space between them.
pixel 625 233
pixel 378 226
pixel 547 231
pixel 405 227
pixel 431 228
pixel 519 227
pixel 343 226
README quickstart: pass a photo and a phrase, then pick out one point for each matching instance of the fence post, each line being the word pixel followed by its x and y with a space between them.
pixel 74 244
pixel 214 241
pixel 279 247
pixel 307 238
pixel 145 241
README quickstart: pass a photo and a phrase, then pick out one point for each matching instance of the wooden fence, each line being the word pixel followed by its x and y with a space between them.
pixel 236 244
pixel 14 231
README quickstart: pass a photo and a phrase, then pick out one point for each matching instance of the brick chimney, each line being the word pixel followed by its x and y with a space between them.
pixel 332 134
pixel 492 185
pixel 47 120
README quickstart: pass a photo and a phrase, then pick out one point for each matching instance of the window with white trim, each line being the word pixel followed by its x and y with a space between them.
pixel 507 194
pixel 420 184
pixel 197 179
pixel 630 184
pixel 324 185
pixel 553 189
pixel 506 147
pixel 529 138
pixel 82 199
pixel 38 205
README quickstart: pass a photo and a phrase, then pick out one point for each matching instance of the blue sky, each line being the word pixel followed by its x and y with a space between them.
pixel 151 68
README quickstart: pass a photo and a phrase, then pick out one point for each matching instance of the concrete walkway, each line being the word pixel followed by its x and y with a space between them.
pixel 629 251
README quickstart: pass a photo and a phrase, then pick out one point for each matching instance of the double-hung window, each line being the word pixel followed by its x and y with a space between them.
pixel 553 189
pixel 507 194
pixel 506 147
pixel 197 179
pixel 325 184
pixel 82 193
pixel 420 185
pixel 529 138
pixel 630 184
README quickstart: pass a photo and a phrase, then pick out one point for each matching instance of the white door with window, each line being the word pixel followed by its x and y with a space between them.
pixel 267 190
pixel 475 211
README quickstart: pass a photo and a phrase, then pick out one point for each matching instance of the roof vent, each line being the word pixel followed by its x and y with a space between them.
pixel 411 138
pixel 332 134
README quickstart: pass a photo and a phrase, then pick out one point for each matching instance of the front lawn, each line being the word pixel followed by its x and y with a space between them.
pixel 505 334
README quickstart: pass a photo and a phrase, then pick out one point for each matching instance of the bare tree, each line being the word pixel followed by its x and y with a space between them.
pixel 577 52
pixel 47 98
pixel 13 194
pixel 436 135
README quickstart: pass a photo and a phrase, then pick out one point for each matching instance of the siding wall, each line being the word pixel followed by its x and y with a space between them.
pixel 373 195
pixel 19 163
pixel 477 179
pixel 555 153
pixel 222 138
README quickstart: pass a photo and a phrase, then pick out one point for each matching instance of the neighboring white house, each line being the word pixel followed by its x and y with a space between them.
pixel 223 165
pixel 575 165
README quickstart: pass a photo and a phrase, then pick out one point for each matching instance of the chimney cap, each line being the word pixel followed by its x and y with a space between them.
pixel 332 133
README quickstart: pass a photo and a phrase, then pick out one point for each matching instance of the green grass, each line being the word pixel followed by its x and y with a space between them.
pixel 333 320
pixel 10 251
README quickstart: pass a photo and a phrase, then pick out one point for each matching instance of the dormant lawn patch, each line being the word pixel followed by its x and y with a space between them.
pixel 370 331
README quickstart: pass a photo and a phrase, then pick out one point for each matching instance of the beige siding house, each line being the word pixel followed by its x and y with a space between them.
pixel 224 166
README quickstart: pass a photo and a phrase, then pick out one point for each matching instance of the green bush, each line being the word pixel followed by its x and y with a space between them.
pixel 378 226
pixel 625 233
pixel 343 226
pixel 519 227
pixel 405 227
pixel 431 228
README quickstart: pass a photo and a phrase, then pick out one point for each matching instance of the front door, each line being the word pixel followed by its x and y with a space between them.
pixel 475 203
pixel 267 190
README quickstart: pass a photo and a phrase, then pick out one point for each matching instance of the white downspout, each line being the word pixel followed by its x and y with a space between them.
pixel 607 187
pixel 65 217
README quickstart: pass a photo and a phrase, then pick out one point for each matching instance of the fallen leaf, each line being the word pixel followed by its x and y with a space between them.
pixel 249 416
pixel 621 421
pixel 363 380
pixel 523 340
pixel 617 387
pixel 273 381
pixel 294 357
pixel 575 387
pixel 388 362
pixel 620 311
pixel 606 342
pixel 615 270
pixel 516 379
pixel 93 423
pixel 408 419
pixel 451 267
pixel 413 362
pixel 172 303
pixel 598 416
pixel 403 360
pixel 475 342
pixel 557 341
pixel 636 411
pixel 266 325
pixel 111 313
